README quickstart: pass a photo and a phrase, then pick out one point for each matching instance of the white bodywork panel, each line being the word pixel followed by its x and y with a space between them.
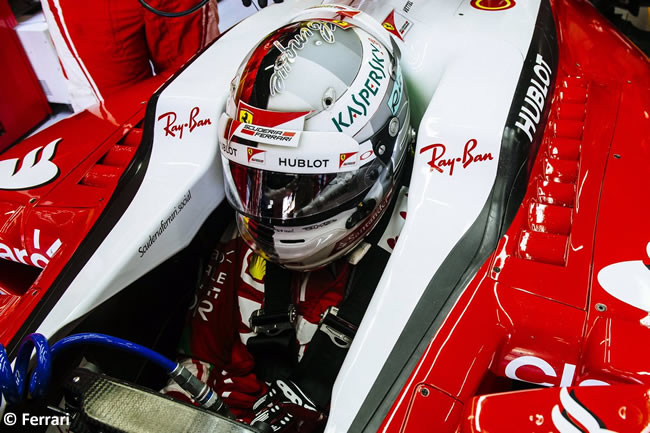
pixel 176 166
pixel 461 66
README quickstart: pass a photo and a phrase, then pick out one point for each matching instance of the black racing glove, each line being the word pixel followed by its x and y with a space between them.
pixel 262 3
pixel 285 408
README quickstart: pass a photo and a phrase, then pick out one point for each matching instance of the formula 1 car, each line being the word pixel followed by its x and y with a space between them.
pixel 516 299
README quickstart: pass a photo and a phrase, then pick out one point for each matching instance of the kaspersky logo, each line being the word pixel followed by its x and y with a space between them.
pixel 346 160
pixel 256 155
pixel 362 99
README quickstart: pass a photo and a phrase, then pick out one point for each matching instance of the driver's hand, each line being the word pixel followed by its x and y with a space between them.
pixel 262 3
pixel 287 409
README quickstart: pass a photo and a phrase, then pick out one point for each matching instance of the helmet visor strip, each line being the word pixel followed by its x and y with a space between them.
pixel 288 151
pixel 293 198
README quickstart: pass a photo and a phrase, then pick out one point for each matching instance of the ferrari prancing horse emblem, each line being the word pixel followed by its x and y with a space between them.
pixel 245 116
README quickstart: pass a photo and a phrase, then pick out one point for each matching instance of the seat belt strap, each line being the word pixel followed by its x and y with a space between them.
pixel 278 313
pixel 317 370
pixel 274 348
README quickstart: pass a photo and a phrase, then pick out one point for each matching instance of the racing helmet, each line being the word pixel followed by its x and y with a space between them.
pixel 313 139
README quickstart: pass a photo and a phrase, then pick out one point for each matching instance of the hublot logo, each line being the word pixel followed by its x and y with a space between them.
pixel 302 163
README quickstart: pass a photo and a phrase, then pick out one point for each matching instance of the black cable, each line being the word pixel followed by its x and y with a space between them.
pixel 191 10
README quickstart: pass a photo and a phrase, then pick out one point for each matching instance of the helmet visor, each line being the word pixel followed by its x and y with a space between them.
pixel 293 199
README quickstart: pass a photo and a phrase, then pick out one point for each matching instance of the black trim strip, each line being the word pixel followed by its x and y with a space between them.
pixel 475 246
pixel 125 191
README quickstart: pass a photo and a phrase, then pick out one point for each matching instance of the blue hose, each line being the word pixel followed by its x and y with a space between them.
pixel 114 342
pixel 12 382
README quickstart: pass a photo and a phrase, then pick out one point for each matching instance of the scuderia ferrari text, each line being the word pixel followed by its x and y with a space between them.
pixel 164 224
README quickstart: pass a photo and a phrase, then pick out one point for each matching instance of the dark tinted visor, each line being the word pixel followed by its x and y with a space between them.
pixel 291 199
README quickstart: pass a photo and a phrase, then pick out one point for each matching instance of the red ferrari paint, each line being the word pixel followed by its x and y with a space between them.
pixel 554 305
pixel 22 101
pixel 537 310
pixel 52 198
pixel 544 410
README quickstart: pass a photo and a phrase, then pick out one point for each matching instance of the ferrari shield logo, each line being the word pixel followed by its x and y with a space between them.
pixel 397 24
pixel 245 116
pixel 256 155
pixel 345 159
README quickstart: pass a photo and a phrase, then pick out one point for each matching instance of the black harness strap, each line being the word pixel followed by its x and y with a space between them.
pixel 316 373
pixel 322 360
pixel 276 356
pixel 274 348
pixel 318 368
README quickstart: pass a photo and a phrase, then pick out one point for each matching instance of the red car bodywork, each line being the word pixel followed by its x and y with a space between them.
pixel 534 312
pixel 62 212
pixel 620 409
pixel 535 309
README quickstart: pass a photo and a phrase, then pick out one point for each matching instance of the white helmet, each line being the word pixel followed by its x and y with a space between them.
pixel 313 139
